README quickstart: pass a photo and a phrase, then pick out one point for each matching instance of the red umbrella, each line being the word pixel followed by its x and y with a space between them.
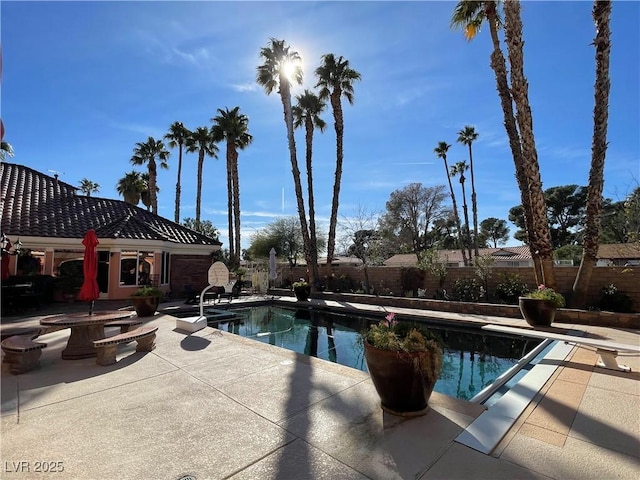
pixel 90 290
pixel 5 261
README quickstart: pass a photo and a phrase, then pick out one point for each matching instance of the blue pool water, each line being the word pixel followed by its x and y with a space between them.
pixel 472 359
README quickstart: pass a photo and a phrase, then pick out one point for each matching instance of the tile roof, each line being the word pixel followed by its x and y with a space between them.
pixel 34 204
pixel 619 251
pixel 520 253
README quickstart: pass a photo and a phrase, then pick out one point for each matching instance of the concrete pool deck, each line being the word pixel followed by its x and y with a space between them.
pixel 212 405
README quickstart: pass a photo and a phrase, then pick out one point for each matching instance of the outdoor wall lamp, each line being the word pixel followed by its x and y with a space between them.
pixel 6 246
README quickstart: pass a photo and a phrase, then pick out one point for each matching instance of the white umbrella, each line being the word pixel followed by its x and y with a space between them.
pixel 273 274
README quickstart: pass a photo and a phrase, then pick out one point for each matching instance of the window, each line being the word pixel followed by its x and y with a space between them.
pixel 136 267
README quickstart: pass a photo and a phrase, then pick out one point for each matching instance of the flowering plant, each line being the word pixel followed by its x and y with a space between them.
pixel 544 293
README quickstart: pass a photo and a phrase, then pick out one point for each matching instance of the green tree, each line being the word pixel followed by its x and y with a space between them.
pixel 494 230
pixel 6 150
pixel 88 187
pixel 205 227
pixel 146 153
pixel 601 17
pixel 458 169
pixel 232 127
pixel 441 152
pixel 620 221
pixel 201 141
pixel 467 136
pixel 282 66
pixel 306 113
pixel 335 80
pixel 177 137
pixel 131 187
pixel 145 193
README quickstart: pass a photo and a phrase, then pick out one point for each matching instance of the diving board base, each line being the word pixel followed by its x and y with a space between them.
pixel 191 324
pixel 608 360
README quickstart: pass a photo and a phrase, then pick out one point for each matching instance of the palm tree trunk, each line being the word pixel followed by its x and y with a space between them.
pixel 542 238
pixel 474 206
pixel 455 214
pixel 153 194
pixel 285 95
pixel 336 105
pixel 601 16
pixel 499 67
pixel 230 197
pixel 236 206
pixel 313 245
pixel 199 186
pixel 178 187
pixel 466 218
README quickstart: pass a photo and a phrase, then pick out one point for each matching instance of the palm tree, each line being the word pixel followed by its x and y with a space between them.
pixel 145 193
pixel 177 137
pixel 281 66
pixel 519 91
pixel 601 15
pixel 467 136
pixel 130 187
pixel 88 187
pixel 233 127
pixel 441 151
pixel 335 79
pixel 146 153
pixel 201 141
pixel 6 150
pixel 470 15
pixel 307 112
pixel 459 169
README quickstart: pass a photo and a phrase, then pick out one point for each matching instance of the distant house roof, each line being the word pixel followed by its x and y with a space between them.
pixel 341 260
pixel 520 253
pixel 619 251
pixel 34 204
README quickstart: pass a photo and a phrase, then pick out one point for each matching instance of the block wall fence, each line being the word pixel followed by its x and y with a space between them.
pixel 388 280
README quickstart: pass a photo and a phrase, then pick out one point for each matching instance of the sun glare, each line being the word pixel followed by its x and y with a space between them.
pixel 289 70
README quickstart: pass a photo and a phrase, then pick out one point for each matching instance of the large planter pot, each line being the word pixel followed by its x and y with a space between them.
pixel 403 389
pixel 145 306
pixel 302 293
pixel 537 312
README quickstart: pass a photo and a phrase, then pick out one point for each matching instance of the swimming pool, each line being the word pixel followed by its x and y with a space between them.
pixel 472 359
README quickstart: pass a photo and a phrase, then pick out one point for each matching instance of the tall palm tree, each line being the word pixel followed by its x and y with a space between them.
pixel 201 141
pixel 282 66
pixel 335 79
pixel 601 15
pixel 459 169
pixel 469 15
pixel 88 187
pixel 6 150
pixel 520 93
pixel 145 153
pixel 177 137
pixel 467 136
pixel 145 192
pixel 441 151
pixel 233 127
pixel 306 113
pixel 130 187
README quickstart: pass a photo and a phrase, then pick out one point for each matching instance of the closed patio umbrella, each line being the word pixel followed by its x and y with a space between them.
pixel 273 272
pixel 90 291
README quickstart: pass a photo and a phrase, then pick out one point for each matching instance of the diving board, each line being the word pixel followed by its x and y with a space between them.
pixel 607 349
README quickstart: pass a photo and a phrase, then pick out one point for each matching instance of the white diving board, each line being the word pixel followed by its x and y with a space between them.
pixel 607 349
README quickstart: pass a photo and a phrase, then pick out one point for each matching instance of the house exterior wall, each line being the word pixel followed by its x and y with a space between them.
pixel 389 279
pixel 189 270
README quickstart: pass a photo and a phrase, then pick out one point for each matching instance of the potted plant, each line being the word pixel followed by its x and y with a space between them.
pixel 302 289
pixel 146 300
pixel 538 308
pixel 404 360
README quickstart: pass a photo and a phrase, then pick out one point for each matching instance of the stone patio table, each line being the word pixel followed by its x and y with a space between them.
pixel 85 329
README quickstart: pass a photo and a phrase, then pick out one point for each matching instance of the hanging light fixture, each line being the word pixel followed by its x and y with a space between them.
pixel 6 246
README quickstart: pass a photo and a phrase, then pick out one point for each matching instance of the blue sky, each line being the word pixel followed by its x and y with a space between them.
pixel 83 82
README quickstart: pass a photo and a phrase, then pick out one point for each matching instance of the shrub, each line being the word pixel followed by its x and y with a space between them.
pixel 613 300
pixel 467 290
pixel 510 288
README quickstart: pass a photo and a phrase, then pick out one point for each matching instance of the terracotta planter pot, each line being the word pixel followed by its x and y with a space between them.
pixel 145 306
pixel 403 389
pixel 537 312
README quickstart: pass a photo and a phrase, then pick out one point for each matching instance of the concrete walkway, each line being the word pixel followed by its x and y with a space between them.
pixel 212 405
